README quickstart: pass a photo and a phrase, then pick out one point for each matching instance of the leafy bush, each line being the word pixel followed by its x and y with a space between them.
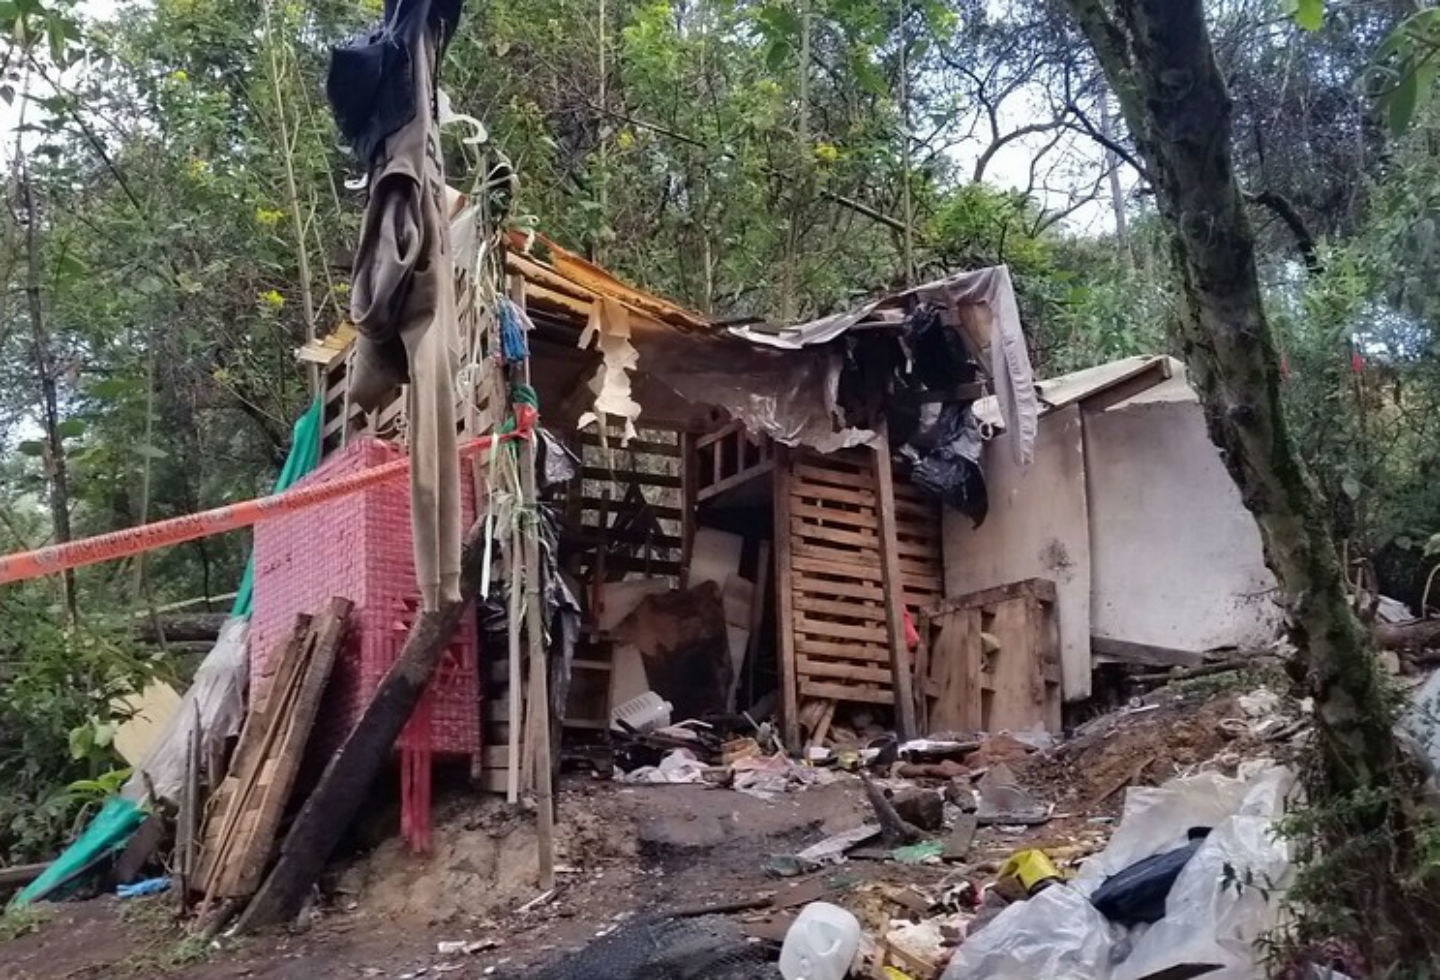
pixel 58 716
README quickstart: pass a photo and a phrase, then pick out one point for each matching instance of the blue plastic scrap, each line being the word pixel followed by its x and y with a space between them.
pixel 150 886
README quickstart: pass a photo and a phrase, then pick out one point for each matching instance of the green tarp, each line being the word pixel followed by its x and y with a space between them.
pixel 304 454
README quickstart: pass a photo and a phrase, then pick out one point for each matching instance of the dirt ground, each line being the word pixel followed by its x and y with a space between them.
pixel 623 851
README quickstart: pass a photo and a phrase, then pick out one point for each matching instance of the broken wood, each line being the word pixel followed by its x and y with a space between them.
pixel 893 829
pixel 347 778
pixel 240 836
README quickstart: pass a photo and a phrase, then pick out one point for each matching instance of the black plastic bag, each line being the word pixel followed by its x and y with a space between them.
pixel 1138 893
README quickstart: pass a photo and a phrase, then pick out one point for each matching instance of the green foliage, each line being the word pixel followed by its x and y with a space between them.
pixel 57 716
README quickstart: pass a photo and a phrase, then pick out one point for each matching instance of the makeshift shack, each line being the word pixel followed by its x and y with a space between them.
pixel 878 511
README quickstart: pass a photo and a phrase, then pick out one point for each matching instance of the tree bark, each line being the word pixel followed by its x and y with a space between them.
pixel 1158 58
pixel 57 475
pixel 1179 113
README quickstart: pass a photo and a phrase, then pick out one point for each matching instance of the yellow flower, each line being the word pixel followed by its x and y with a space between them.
pixel 624 139
pixel 268 217
pixel 826 153
pixel 180 75
pixel 272 300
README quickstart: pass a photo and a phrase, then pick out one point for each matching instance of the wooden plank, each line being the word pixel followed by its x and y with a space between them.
pixel 784 600
pixel 850 567
pixel 840 631
pixel 1019 698
pixel 833 535
pixel 285 760
pixel 845 479
pixel 727 429
pixel 821 727
pixel 816 586
pixel 809 603
pixel 848 650
pixel 1144 653
pixel 837 495
pixel 853 672
pixel 894 588
pixel 635 446
pixel 863 517
pixel 1042 589
pixel 845 692
pixel 758 595
pixel 955 662
pixel 689 478
pixel 867 557
pixel 736 479
pixel 630 476
pixel 1141 380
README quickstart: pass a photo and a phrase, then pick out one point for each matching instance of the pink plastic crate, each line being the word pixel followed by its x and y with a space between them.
pixel 359 547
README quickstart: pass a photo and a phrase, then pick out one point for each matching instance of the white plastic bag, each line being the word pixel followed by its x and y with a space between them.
pixel 1057 935
pixel 1227 896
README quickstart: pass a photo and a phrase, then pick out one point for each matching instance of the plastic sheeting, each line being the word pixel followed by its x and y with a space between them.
pixel 104 835
pixel 1227 895
pixel 982 304
pixel 215 702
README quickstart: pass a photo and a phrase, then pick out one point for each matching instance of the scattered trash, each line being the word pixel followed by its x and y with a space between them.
pixel 678 766
pixel 1004 801
pixel 1223 899
pixel 739 748
pixel 935 749
pixel 832 849
pixel 1137 894
pixel 821 945
pixel 449 947
pixel 150 886
pixel 1025 874
pixel 1058 933
pixel 643 713
pixel 928 851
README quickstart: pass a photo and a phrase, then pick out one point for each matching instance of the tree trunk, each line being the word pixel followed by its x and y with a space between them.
pixel 1158 58
pixel 57 476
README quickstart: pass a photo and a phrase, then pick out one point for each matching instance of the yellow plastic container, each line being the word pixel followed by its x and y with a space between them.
pixel 1025 874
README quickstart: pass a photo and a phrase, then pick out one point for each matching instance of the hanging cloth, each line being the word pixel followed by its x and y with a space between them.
pixel 403 305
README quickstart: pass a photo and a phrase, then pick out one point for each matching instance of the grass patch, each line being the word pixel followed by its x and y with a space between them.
pixel 22 920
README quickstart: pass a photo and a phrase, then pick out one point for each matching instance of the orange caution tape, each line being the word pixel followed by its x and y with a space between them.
pixel 132 541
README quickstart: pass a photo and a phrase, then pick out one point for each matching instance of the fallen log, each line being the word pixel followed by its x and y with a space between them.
pixel 179 627
pixel 343 786
pixel 19 875
pixel 1418 634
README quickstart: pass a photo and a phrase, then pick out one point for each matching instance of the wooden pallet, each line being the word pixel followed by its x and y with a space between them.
pixel 836 625
pixel 243 816
pixel 1016 684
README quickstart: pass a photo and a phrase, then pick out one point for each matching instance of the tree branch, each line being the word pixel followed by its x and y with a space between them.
pixel 1281 207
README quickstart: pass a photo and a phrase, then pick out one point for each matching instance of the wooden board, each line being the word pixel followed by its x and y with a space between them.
pixel 243 822
pixel 838 631
pixel 1037 527
pixel 1013 687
